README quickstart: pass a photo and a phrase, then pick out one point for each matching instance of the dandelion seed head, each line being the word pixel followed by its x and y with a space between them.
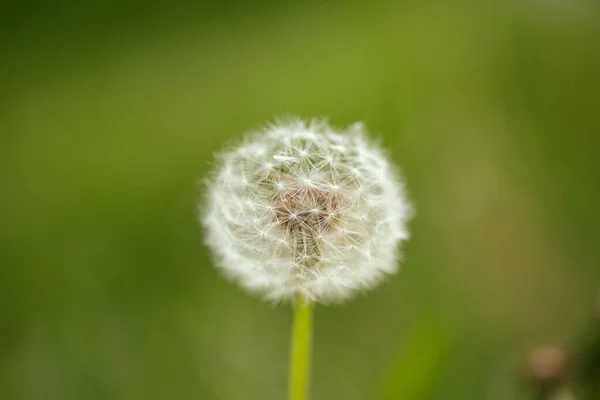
pixel 302 209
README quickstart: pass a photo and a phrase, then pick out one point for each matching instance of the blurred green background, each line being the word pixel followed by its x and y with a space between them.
pixel 110 112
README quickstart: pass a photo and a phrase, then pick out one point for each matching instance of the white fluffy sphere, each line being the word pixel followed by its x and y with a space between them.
pixel 301 209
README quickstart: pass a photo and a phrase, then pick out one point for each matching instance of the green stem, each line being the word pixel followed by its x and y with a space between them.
pixel 301 350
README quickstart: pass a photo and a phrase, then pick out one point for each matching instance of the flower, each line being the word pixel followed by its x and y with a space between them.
pixel 301 209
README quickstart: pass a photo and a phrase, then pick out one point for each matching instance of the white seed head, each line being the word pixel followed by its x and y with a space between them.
pixel 301 209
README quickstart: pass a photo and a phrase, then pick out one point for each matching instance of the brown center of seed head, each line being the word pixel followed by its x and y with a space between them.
pixel 306 211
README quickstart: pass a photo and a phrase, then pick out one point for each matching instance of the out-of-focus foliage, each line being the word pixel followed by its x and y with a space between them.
pixel 417 364
pixel 111 111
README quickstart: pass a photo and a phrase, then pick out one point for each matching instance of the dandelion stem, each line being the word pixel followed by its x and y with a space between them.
pixel 299 377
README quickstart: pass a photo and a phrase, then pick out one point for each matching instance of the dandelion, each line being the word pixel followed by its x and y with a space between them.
pixel 304 213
